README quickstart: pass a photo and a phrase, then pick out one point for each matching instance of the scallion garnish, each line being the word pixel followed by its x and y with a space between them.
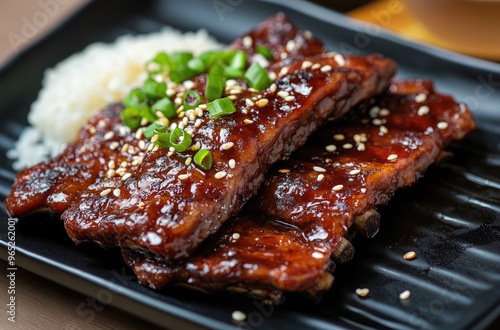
pixel 191 99
pixel 153 129
pixel 131 117
pixel 152 88
pixel 221 107
pixel 148 114
pixel 135 98
pixel 180 139
pixel 196 64
pixel 257 77
pixel 203 159
pixel 239 60
pixel 215 82
pixel 264 51
pixel 232 73
pixel 159 64
pixel 165 106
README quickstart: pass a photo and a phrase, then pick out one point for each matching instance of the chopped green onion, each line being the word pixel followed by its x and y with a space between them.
pixel 153 129
pixel 264 51
pixel 221 107
pixel 131 117
pixel 204 159
pixel 239 60
pixel 232 73
pixel 215 82
pixel 166 107
pixel 180 73
pixel 180 139
pixel 257 77
pixel 165 137
pixel 163 144
pixel 152 88
pixel 135 98
pixel 208 58
pixel 162 58
pixel 196 64
pixel 146 112
pixel 191 99
pixel 158 64
pixel 180 58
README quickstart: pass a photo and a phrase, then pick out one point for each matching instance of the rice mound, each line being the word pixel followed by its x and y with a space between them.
pixel 85 82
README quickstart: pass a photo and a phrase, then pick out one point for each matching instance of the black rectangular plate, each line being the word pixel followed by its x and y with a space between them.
pixel 450 218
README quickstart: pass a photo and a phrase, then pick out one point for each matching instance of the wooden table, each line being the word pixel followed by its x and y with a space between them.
pixel 43 304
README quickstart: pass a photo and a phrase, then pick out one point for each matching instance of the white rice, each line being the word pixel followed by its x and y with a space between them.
pixel 85 82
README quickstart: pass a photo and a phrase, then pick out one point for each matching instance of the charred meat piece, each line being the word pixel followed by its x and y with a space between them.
pixel 54 184
pixel 284 237
pixel 169 206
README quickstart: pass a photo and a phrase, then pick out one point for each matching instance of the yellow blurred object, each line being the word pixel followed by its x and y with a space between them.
pixel 467 26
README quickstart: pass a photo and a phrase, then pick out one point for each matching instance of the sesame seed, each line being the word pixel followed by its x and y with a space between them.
pixel 377 122
pixel 339 59
pixel 262 103
pixel 272 76
pixel 170 92
pixel 338 137
pixel 111 164
pixel 188 161
pixel 374 111
pixel 109 135
pixel 185 121
pixel 442 125
pixel 92 130
pixel 273 88
pixel 331 147
pixel 178 101
pixel 191 115
pixel 196 146
pixel 105 192
pixel 362 292
pixel 284 71
pixel 141 144
pixel 328 160
pixel 113 145
pixel 181 125
pixel 249 102
pixel 248 121
pixel 410 255
pixel 326 68
pixel 284 170
pixel 283 55
pixel 155 138
pixel 150 147
pixel 338 187
pixel 247 41
pixel 361 147
pixel 199 112
pixel 238 316
pixel 188 84
pixel 316 66
pixel 318 255
pixel 235 91
pixel 423 110
pixel 124 148
pixel 289 98
pixel 320 177
pixel 354 172
pixel 384 112
pixel 126 176
pixel 197 123
pixel 117 192
pixel 203 106
pixel 308 34
pixel 156 148
pixel 236 236
pixel 101 123
pixel 220 175
pixel 404 295
pixel 141 204
pixel 384 129
pixel 306 64
pixel 232 163
pixel 319 169
pixel 363 190
pixel 347 146
pixel 290 46
pixel 283 94
pixel 111 173
pixel 420 98
pixel 183 176
pixel 392 157
pixel 227 146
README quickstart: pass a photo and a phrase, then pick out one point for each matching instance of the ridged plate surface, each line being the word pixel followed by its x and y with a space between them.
pixel 451 218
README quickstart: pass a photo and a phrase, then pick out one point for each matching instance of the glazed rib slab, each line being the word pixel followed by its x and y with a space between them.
pixel 284 237
pixel 151 205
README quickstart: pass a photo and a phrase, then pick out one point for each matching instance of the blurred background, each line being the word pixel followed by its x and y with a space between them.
pixel 471 27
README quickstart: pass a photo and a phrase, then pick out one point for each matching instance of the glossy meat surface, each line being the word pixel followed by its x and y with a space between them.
pixel 284 237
